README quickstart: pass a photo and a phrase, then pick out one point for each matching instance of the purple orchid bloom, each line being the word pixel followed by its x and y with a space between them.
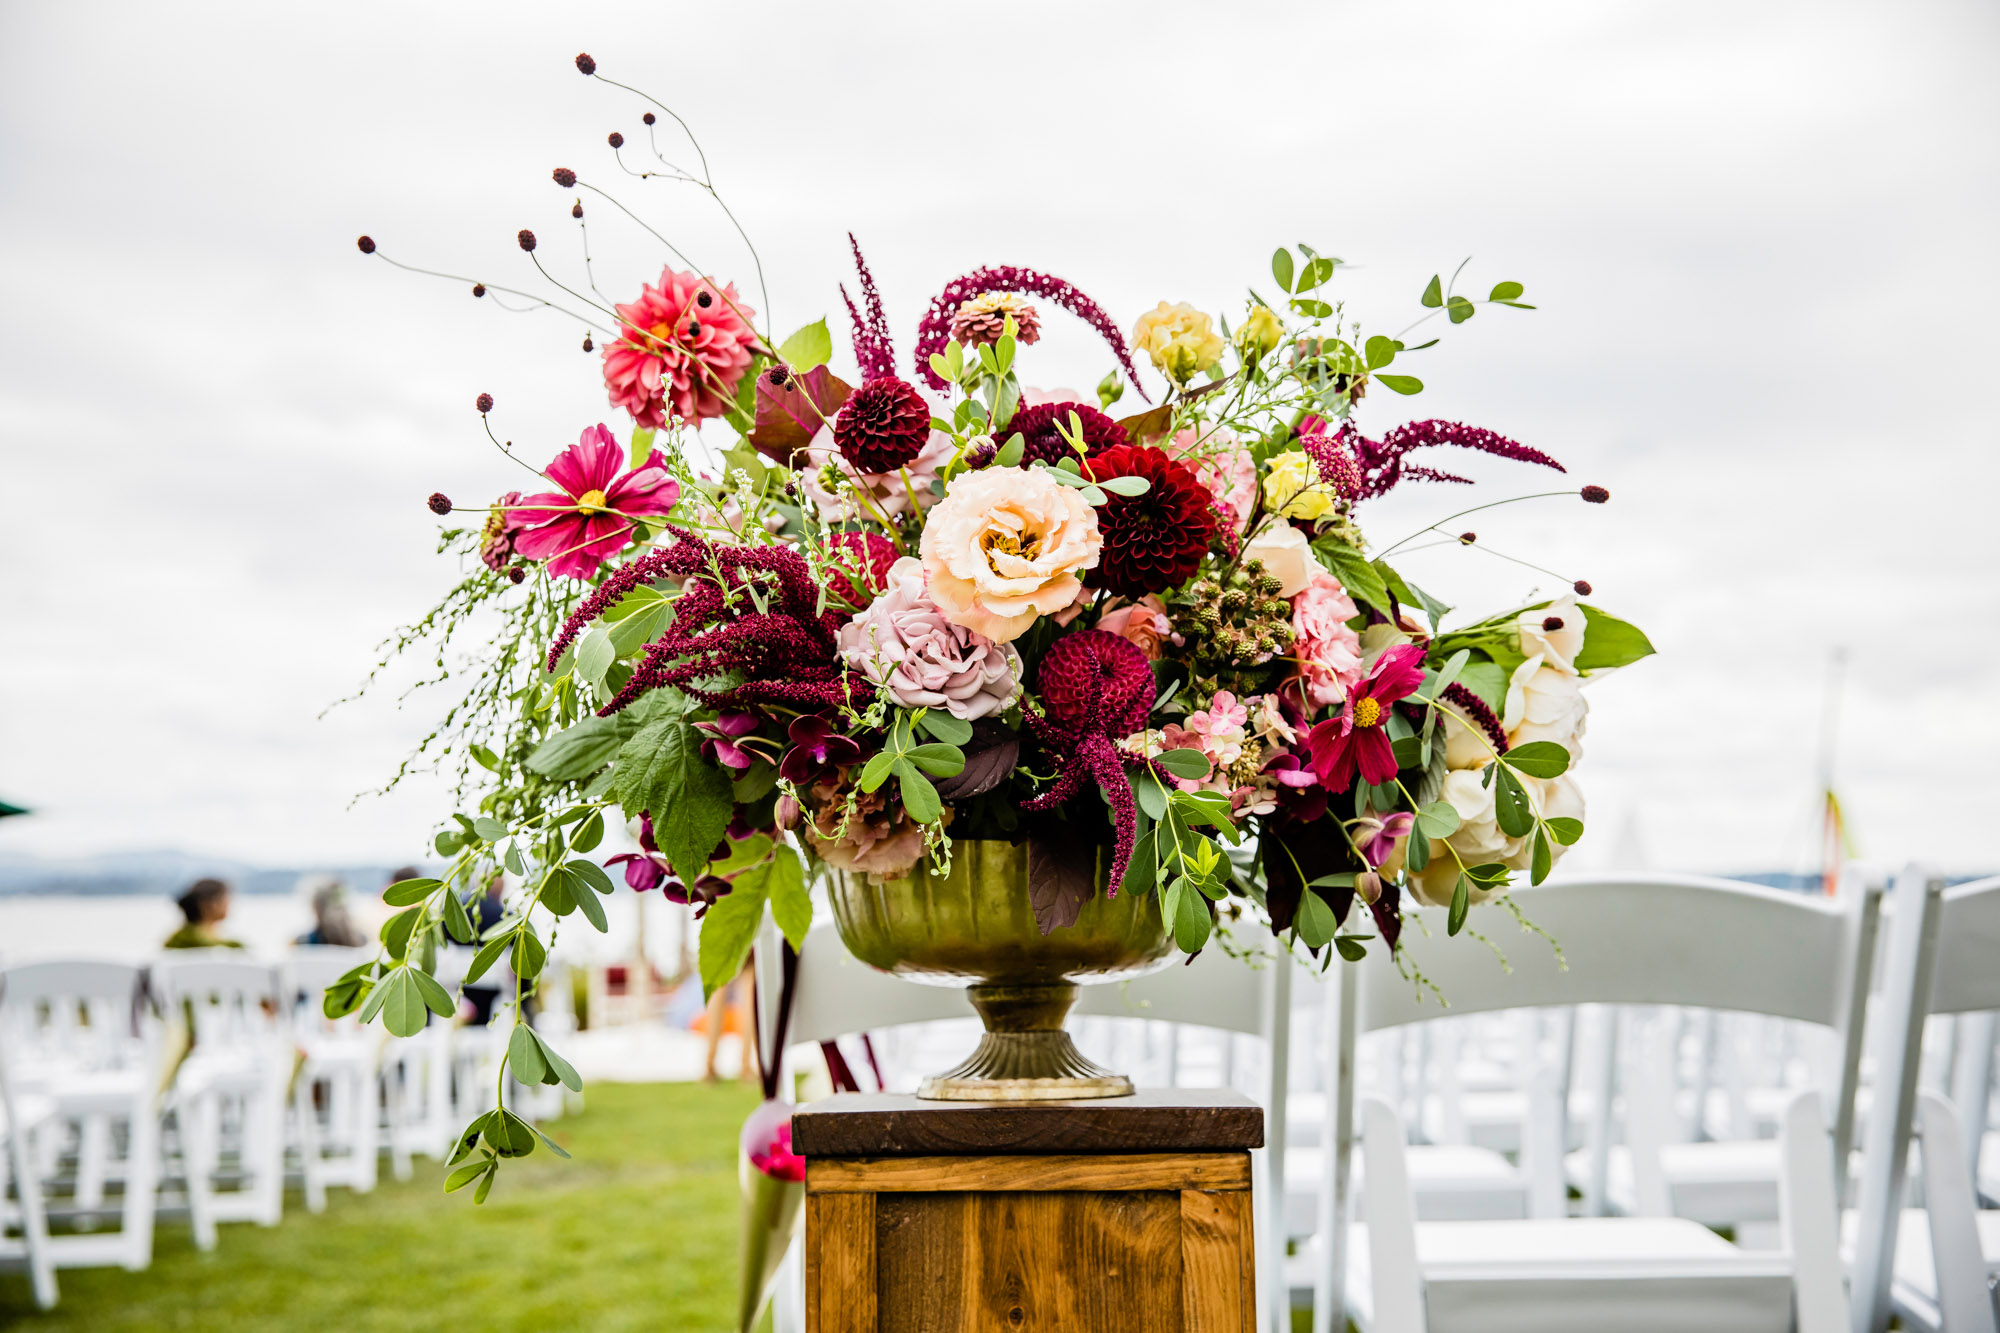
pixel 1382 840
pixel 816 750
pixel 723 733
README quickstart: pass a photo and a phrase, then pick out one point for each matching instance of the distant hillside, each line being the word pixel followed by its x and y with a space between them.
pixel 165 874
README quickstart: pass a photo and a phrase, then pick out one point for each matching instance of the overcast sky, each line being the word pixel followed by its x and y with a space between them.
pixel 1760 237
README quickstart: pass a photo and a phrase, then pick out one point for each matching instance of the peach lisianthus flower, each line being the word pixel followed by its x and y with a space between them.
pixel 1144 622
pixel 1006 545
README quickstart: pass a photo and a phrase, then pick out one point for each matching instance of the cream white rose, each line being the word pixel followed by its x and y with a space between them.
pixel 1554 634
pixel 1287 557
pixel 1544 704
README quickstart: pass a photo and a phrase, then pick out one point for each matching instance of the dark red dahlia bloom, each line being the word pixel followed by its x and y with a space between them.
pixel 1093 675
pixel 858 566
pixel 1042 442
pixel 1153 541
pixel 884 425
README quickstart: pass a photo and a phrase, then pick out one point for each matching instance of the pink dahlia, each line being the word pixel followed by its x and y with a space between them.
pixel 591 517
pixel 1329 651
pixel 1358 740
pixel 684 347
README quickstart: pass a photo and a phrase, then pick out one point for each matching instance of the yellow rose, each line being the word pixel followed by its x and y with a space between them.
pixel 1181 340
pixel 1261 333
pixel 1292 488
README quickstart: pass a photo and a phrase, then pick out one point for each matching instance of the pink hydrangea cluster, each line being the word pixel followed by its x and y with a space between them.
pixel 1218 731
pixel 903 643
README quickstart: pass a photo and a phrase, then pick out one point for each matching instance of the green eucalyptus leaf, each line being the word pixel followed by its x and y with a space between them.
pixel 1461 901
pixel 404 892
pixel 1566 830
pixel 1403 384
pixel 1511 808
pixel 1439 819
pixel 1538 759
pixel 404 1012
pixel 524 1056
pixel 942 725
pixel 808 349
pixel 1184 763
pixel 920 798
pixel 1315 921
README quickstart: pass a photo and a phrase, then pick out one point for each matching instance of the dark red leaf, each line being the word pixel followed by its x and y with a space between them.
pixel 788 418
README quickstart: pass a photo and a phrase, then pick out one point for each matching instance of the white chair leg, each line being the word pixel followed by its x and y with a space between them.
pixel 1810 1218
pixel 34 1220
pixel 312 1162
pixel 1391 1210
pixel 194 1119
pixel 367 1130
pixel 93 1152
pixel 268 1145
pixel 142 1183
pixel 1963 1298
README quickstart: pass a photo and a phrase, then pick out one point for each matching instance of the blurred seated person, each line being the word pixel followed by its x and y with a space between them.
pixel 487 911
pixel 331 923
pixel 205 904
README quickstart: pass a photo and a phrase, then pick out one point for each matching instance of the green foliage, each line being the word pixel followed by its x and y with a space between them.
pixel 729 929
pixel 661 770
pixel 1538 759
pixel 807 349
pixel 1609 642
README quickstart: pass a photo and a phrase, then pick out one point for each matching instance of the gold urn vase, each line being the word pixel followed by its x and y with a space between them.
pixel 975 926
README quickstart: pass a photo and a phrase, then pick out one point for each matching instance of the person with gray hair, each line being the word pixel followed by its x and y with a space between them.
pixel 332 925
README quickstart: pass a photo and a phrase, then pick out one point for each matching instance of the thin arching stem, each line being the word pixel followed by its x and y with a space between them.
pixel 491 287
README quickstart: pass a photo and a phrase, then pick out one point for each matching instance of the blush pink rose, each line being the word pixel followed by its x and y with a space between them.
pixel 903 643
pixel 1144 622
pixel 1329 651
pixel 1006 545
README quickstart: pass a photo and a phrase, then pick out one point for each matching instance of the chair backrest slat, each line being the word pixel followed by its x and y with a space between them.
pixel 1968 961
pixel 1659 939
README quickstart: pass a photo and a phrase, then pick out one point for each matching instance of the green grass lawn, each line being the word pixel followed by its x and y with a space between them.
pixel 638 1231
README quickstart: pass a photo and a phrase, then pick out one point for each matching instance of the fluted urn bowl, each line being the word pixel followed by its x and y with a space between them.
pixel 974 926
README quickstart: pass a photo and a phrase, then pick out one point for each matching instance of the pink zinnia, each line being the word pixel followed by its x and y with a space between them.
pixel 590 518
pixel 1358 740
pixel 684 347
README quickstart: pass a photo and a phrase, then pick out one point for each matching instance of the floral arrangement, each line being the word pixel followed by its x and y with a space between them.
pixel 795 619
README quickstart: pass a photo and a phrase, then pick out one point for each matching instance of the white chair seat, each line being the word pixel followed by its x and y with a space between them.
pixel 1915 1286
pixel 1715 1184
pixel 87 1092
pixel 1532 1277
pixel 30 1113
pixel 1452 1182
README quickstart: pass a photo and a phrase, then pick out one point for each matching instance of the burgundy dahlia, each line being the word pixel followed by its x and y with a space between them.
pixel 1153 541
pixel 1092 677
pixel 883 425
pixel 1043 442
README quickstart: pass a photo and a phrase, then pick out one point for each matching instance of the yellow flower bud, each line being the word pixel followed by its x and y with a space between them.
pixel 1261 333
pixel 1292 487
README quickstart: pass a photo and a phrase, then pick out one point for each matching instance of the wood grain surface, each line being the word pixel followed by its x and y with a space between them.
pixel 889 1125
pixel 933 1175
pixel 840 1263
pixel 1021 1262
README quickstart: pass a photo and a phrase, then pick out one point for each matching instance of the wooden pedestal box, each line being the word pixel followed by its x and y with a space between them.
pixel 1084 1217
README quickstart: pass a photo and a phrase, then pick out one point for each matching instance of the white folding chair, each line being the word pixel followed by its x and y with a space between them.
pixel 1665 1167
pixel 1642 940
pixel 20 1118
pixel 1934 1267
pixel 346 1085
pixel 229 1093
pixel 82 1036
pixel 836 995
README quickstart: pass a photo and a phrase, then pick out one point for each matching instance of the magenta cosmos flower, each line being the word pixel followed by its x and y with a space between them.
pixel 1358 739
pixel 590 518
pixel 682 349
